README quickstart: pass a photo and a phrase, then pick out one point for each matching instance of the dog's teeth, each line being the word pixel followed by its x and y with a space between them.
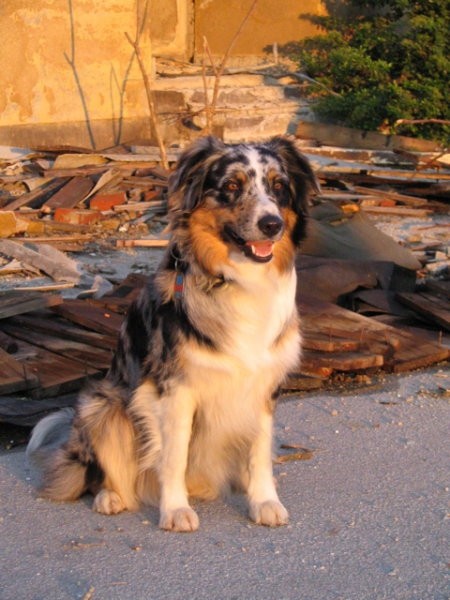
pixel 262 249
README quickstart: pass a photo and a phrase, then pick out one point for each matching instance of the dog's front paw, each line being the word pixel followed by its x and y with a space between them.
pixel 108 502
pixel 182 519
pixel 271 513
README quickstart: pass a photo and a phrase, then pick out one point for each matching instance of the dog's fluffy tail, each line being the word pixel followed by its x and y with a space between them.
pixel 60 477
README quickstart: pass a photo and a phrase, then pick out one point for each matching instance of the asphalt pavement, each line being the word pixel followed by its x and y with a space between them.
pixel 368 507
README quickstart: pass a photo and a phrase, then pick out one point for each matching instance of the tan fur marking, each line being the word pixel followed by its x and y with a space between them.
pixel 65 478
pixel 209 250
pixel 283 250
pixel 113 441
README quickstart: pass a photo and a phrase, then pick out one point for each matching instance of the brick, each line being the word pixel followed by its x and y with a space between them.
pixel 107 201
pixel 11 224
pixel 151 195
pixel 76 216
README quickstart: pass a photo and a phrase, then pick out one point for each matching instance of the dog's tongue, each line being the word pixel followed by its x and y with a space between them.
pixel 261 249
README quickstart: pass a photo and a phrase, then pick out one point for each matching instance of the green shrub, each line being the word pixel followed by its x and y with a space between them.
pixel 380 62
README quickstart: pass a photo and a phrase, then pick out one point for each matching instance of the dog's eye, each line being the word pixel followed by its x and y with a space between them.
pixel 231 186
pixel 278 185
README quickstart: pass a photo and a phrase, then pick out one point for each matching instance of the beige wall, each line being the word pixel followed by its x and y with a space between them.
pixel 272 21
pixel 37 83
pixel 41 102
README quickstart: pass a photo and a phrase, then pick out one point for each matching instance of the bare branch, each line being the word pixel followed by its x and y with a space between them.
pixel 71 62
pixel 211 107
pixel 150 102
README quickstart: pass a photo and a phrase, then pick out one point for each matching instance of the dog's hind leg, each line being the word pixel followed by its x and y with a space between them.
pixel 176 428
pixel 112 438
pixel 265 506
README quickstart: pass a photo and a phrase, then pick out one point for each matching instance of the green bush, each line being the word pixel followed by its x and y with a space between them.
pixel 380 62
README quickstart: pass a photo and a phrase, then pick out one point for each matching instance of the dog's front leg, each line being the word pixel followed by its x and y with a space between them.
pixel 177 415
pixel 265 506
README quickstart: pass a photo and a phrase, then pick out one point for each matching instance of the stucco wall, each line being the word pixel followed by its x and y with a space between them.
pixel 66 63
pixel 272 21
pixel 40 38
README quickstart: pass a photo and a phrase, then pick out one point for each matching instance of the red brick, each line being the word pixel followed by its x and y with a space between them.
pixel 76 216
pixel 151 195
pixel 107 201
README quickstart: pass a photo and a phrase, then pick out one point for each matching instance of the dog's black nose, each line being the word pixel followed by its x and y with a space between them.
pixel 270 225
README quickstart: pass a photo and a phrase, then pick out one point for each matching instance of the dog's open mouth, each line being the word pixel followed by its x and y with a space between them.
pixel 261 250
pixel 257 250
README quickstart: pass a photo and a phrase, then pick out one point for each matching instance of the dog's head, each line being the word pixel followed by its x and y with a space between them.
pixel 249 199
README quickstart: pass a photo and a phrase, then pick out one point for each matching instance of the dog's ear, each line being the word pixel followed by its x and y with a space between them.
pixel 189 176
pixel 301 175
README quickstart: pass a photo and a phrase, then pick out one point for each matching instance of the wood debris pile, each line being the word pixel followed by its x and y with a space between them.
pixel 353 326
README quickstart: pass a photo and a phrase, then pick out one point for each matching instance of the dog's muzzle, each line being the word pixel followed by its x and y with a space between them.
pixel 260 250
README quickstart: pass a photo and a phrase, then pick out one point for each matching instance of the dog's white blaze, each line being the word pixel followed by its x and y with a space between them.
pixel 266 205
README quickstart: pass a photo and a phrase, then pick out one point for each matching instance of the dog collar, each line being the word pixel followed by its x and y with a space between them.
pixel 179 285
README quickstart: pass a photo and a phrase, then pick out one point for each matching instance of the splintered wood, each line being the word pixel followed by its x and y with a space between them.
pixel 50 348
pixel 53 200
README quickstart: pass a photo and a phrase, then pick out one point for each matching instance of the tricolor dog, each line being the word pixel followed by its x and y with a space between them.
pixel 186 409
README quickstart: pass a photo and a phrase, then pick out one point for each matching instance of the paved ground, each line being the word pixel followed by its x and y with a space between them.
pixel 368 517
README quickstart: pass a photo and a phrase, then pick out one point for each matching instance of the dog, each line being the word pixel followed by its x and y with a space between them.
pixel 186 408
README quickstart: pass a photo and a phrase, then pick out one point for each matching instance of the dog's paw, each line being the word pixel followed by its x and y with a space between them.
pixel 270 513
pixel 182 519
pixel 108 502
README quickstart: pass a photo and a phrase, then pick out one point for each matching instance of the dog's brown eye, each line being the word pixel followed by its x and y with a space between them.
pixel 277 186
pixel 231 186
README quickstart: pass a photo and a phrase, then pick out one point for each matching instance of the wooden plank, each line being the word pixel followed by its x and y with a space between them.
pixel 412 358
pixel 429 306
pixel 120 298
pixel 439 287
pixel 335 135
pixel 400 349
pixel 327 343
pixel 59 327
pixel 302 383
pixel 90 316
pixel 341 361
pixel 7 344
pixel 14 376
pixel 83 353
pixel 402 198
pixel 45 258
pixel 37 197
pixel 401 211
pixel 16 303
pixel 154 243
pixel 56 374
pixel 73 192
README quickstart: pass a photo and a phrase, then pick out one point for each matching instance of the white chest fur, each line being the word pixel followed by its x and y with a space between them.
pixel 248 319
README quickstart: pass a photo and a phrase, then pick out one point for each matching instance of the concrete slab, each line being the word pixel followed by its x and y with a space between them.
pixel 368 516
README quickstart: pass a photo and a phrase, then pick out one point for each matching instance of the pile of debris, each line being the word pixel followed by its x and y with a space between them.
pixel 386 310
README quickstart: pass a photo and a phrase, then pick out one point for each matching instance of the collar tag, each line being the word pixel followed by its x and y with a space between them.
pixel 179 285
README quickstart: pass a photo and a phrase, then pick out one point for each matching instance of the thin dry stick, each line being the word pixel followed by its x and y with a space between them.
pixel 122 87
pixel 218 71
pixel 205 89
pixel 71 60
pixel 151 104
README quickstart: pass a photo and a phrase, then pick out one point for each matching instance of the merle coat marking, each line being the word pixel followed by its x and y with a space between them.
pixel 186 407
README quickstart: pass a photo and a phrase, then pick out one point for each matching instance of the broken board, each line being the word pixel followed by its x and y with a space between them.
pixel 14 376
pixel 431 307
pixel 90 316
pixel 16 303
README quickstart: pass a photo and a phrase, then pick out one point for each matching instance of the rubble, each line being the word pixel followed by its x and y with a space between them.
pixel 374 272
